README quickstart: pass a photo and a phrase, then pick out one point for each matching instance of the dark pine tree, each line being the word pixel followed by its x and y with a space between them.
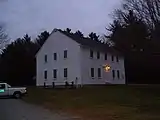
pixel 93 36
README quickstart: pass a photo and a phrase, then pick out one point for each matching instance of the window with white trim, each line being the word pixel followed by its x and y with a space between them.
pixel 92 72
pixel 55 56
pixel 45 74
pixel 113 74
pixel 98 55
pixel 112 57
pixel 55 73
pixel 99 73
pixel 91 53
pixel 45 59
pixel 117 58
pixel 65 54
pixel 65 72
pixel 118 74
pixel 105 56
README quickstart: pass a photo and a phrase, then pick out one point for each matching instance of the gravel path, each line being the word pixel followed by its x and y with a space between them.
pixel 12 109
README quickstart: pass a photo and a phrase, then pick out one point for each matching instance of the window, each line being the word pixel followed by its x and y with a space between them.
pixel 105 57
pixel 112 58
pixel 65 72
pixel 113 74
pixel 45 74
pixel 98 55
pixel 117 58
pixel 2 86
pixel 45 58
pixel 99 73
pixel 55 73
pixel 118 74
pixel 65 53
pixel 91 53
pixel 92 72
pixel 55 56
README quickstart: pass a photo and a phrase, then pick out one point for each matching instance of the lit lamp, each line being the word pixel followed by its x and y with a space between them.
pixel 107 68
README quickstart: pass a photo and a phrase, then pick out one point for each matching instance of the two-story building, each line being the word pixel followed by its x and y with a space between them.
pixel 67 57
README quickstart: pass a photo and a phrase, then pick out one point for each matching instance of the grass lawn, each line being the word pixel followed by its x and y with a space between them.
pixel 102 103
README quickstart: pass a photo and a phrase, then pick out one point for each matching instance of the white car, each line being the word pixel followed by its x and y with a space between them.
pixel 7 90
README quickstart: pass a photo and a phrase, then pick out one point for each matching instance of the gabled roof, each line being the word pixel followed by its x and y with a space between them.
pixel 93 44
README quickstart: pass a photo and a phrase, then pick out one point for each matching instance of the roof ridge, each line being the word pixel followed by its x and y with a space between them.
pixel 90 43
pixel 73 34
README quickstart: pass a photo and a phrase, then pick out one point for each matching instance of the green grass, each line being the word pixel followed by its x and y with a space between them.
pixel 102 103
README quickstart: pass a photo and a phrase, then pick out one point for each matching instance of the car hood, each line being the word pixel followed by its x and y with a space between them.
pixel 13 88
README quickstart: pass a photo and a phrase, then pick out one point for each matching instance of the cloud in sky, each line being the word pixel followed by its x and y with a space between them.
pixel 34 16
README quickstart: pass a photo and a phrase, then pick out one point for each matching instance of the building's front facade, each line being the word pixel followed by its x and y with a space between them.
pixel 63 59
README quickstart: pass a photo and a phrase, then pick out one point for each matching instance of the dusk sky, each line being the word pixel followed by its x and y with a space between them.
pixel 34 16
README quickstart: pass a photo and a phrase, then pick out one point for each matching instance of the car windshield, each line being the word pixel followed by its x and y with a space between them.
pixel 8 86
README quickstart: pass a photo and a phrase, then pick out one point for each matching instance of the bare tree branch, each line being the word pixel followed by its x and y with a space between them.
pixel 147 10
pixel 3 38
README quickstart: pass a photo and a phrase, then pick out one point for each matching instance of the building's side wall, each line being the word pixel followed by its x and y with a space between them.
pixel 87 63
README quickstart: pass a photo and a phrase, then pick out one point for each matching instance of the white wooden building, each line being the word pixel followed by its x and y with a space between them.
pixel 66 57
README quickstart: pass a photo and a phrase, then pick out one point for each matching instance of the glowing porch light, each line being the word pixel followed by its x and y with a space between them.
pixel 107 68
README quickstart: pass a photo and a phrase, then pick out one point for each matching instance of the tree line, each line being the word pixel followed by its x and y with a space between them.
pixel 135 31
